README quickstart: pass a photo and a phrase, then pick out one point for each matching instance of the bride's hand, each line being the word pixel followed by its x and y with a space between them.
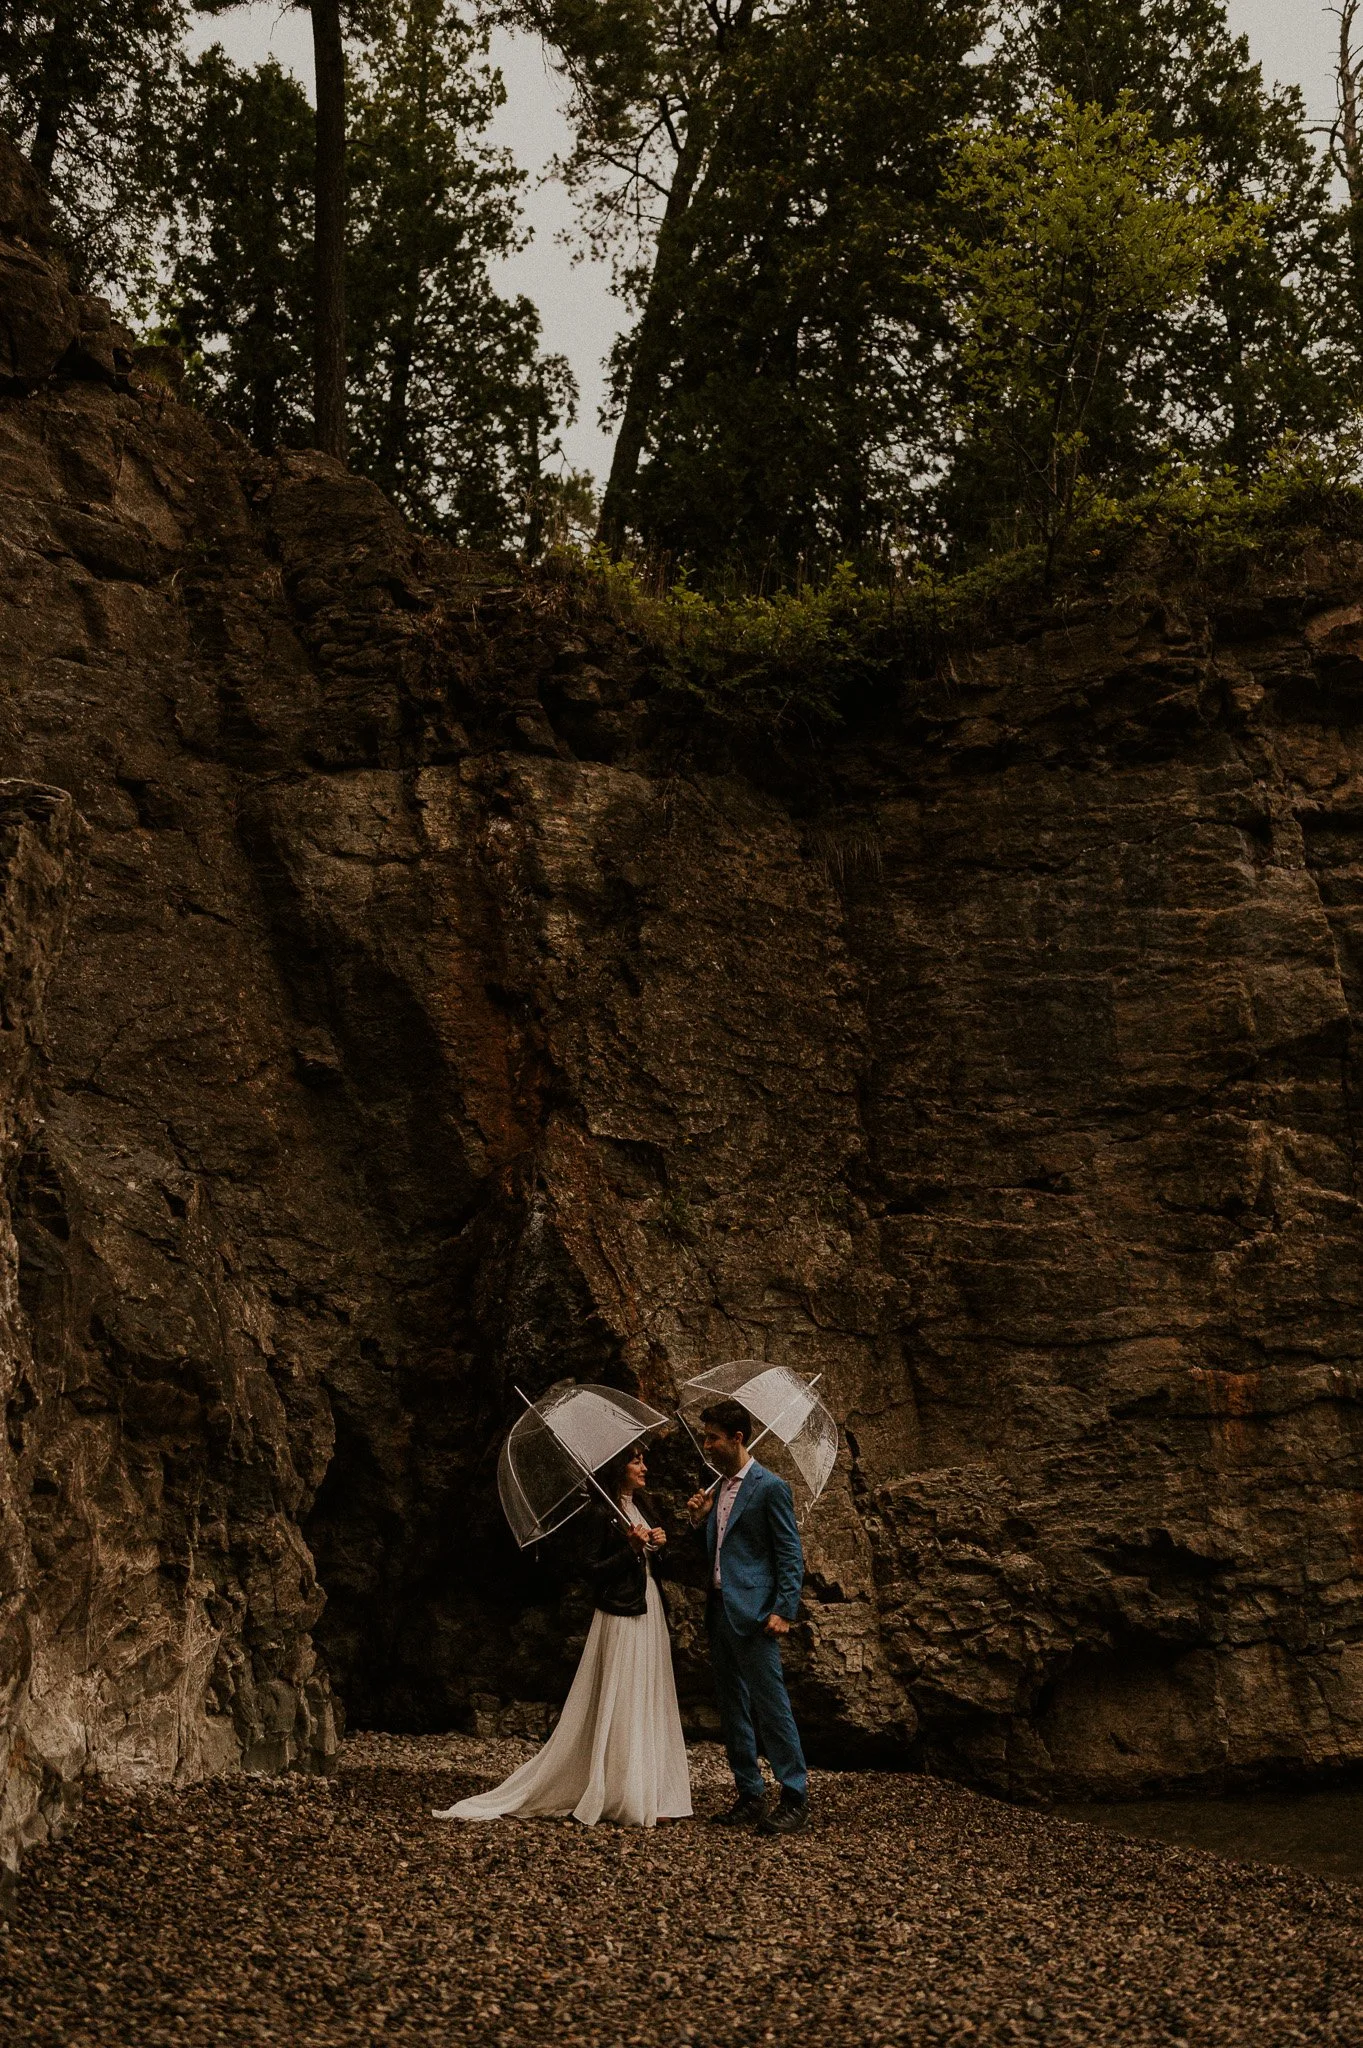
pixel 657 1537
pixel 638 1535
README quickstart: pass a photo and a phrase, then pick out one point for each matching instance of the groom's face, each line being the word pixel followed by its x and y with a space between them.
pixel 725 1453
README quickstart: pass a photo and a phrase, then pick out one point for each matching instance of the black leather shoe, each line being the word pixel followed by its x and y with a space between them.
pixel 749 1810
pixel 789 1817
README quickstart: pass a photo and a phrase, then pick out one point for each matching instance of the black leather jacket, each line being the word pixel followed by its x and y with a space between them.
pixel 616 1573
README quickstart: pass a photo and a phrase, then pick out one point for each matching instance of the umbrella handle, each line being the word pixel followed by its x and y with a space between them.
pixel 751 1447
pixel 585 1470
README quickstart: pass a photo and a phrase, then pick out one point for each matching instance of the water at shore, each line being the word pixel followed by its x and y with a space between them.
pixel 1317 1831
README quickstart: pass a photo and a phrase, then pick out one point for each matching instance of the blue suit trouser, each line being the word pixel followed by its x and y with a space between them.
pixel 754 1707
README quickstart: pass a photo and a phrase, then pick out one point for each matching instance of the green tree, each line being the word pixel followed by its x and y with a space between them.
pixel 794 419
pixel 761 171
pixel 237 293
pixel 643 80
pixel 1268 347
pixel 329 23
pixel 454 409
pixel 1084 246
pixel 88 92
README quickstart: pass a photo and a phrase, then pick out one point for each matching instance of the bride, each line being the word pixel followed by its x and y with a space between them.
pixel 617 1752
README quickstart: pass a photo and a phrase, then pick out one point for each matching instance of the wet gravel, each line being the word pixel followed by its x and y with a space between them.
pixel 304 1912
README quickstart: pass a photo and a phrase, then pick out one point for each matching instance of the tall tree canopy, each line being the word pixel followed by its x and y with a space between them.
pixel 88 92
pixel 452 407
pixel 1267 350
pixel 794 413
pixel 237 294
pixel 812 206
pixel 1346 154
pixel 769 173
pixel 454 410
pixel 763 171
pixel 329 20
pixel 644 79
pixel 1081 246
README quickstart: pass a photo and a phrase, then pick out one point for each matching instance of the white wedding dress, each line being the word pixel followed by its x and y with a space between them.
pixel 617 1752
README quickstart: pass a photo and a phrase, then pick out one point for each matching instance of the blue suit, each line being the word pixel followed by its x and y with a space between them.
pixel 762 1569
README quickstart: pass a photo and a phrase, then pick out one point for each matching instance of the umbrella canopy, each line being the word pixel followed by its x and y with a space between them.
pixel 546 1471
pixel 797 1435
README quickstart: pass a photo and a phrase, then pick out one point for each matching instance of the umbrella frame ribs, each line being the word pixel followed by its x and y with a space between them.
pixel 585 1470
pixel 766 1430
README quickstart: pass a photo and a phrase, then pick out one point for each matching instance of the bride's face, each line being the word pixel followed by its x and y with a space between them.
pixel 636 1472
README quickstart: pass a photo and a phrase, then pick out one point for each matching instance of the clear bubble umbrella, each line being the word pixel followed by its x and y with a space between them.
pixel 547 1471
pixel 798 1435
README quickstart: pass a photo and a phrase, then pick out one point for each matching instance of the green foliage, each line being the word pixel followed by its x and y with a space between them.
pixel 950 281
pixel 771 174
pixel 88 91
pixel 1082 242
pixel 1271 346
pixel 767 667
pixel 237 292
pixel 795 665
pixel 763 172
pixel 1218 521
pixel 643 79
pixel 639 77
pixel 454 411
pixel 563 511
pixel 794 419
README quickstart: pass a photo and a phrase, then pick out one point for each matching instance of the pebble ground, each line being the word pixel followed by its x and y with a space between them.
pixel 311 1913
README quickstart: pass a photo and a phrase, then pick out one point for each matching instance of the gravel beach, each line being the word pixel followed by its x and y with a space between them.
pixel 302 1911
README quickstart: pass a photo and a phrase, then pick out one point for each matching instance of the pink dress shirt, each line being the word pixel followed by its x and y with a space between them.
pixel 728 1494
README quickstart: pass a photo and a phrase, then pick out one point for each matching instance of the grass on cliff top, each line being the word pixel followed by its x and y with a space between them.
pixel 807 659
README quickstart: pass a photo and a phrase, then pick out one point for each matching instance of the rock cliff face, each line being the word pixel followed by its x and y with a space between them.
pixel 37 829
pixel 431 1020
pixel 1112 975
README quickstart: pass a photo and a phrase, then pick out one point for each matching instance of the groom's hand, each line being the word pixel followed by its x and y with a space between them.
pixel 698 1507
pixel 776 1625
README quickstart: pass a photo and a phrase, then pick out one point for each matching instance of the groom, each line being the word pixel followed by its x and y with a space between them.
pixel 756 1570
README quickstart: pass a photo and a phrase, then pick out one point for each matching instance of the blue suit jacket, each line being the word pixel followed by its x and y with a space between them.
pixel 762 1562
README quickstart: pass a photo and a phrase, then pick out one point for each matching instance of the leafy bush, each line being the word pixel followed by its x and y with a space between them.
pixel 802 661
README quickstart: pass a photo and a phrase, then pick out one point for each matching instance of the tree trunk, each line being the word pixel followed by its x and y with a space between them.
pixel 1349 151
pixel 53 93
pixel 264 327
pixel 533 545
pixel 46 135
pixel 393 447
pixel 329 230
pixel 851 445
pixel 393 435
pixel 666 293
pixel 671 263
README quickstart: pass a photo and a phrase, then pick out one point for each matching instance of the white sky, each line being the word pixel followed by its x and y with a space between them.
pixel 1293 39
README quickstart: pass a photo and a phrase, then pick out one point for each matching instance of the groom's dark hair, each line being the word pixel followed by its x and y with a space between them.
pixel 730 1416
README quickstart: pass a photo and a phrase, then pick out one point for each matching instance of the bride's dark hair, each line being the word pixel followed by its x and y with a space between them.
pixel 613 1475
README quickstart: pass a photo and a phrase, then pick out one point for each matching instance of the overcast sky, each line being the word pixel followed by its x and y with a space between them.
pixel 1292 38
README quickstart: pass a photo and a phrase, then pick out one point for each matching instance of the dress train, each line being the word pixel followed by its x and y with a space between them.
pixel 618 1752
